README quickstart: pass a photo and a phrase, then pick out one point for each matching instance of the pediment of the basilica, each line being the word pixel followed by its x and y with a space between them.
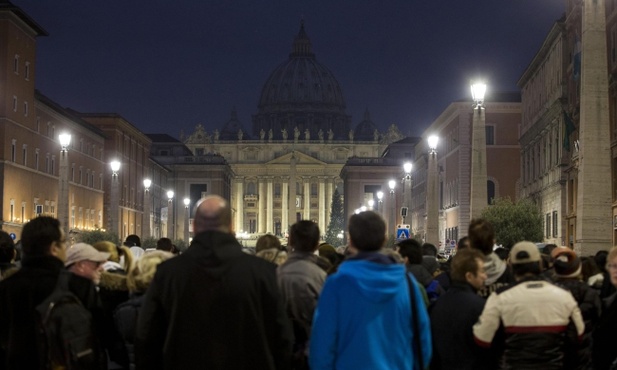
pixel 301 159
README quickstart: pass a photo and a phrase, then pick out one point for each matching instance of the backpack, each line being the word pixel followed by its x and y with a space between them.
pixel 66 329
pixel 433 290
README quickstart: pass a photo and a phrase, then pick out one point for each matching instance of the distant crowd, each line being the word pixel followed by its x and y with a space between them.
pixel 304 305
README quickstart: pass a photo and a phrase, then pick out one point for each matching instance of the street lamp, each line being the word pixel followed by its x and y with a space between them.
pixel 407 191
pixel 392 185
pixel 114 198
pixel 371 204
pixel 170 214
pixel 187 201
pixel 147 204
pixel 432 195
pixel 63 184
pixel 380 201
pixel 479 194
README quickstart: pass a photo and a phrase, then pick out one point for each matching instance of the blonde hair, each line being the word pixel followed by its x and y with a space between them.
pixel 139 277
pixel 114 256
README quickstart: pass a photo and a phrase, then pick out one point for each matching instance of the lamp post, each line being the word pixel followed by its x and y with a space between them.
pixel 114 198
pixel 147 204
pixel 407 191
pixel 479 194
pixel 63 185
pixel 371 204
pixel 380 202
pixel 392 185
pixel 432 195
pixel 170 214
pixel 187 201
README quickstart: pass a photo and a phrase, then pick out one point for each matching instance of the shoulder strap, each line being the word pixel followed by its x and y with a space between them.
pixel 416 346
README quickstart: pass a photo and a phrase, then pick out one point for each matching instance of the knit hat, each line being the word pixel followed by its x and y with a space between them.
pixel 524 252
pixel 84 252
pixel 566 263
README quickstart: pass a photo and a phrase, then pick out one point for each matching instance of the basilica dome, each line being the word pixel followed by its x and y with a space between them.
pixel 302 93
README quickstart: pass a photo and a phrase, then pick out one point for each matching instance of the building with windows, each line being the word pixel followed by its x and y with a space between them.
pixel 30 151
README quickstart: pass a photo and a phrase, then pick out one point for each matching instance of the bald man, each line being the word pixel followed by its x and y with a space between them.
pixel 214 306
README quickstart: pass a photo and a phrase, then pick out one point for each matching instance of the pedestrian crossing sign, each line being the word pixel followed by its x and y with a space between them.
pixel 402 231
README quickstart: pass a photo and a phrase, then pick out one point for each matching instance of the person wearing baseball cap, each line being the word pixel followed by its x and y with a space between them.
pixel 84 260
pixel 535 315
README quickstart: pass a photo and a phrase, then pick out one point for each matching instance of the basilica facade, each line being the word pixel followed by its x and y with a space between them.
pixel 287 165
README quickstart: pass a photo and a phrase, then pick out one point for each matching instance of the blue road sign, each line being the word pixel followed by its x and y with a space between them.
pixel 402 232
pixel 13 236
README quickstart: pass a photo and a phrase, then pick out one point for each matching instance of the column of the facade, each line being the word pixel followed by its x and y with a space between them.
pixel 239 194
pixel 261 222
pixel 270 204
pixel 329 192
pixel 284 206
pixel 307 199
pixel 322 206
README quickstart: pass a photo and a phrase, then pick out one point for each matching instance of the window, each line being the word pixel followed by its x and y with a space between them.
pixel 26 110
pixel 547 225
pixel 73 217
pixel 47 163
pixel 48 128
pixel 24 154
pixel 36 159
pixel 27 72
pixel 555 225
pixel 38 124
pixel 80 175
pixel 13 150
pixel 53 164
pixel 490 135
pixel 14 103
pixel 23 212
pixel 490 189
pixel 16 64
pixel 38 209
pixel 12 211
pixel 73 172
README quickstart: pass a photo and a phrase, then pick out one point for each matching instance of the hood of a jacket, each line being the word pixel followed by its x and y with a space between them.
pixel 214 252
pixel 113 281
pixel 421 274
pixel 494 267
pixel 377 282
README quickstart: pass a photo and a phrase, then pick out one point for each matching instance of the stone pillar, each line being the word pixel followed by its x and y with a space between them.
pixel 292 191
pixel 322 206
pixel 593 210
pixel 329 192
pixel 307 199
pixel 284 206
pixel 239 191
pixel 479 194
pixel 432 201
pixel 261 217
pixel 269 205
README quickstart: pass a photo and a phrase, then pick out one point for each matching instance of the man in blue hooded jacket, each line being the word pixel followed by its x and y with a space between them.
pixel 364 317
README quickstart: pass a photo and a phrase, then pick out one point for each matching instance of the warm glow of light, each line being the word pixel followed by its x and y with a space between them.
pixel 407 167
pixel 392 184
pixel 380 195
pixel 65 140
pixel 432 141
pixel 170 194
pixel 147 183
pixel 115 166
pixel 187 201
pixel 478 89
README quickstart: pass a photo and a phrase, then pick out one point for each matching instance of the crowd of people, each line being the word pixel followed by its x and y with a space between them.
pixel 307 305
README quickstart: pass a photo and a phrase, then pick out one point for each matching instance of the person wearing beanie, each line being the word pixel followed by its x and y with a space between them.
pixel 567 274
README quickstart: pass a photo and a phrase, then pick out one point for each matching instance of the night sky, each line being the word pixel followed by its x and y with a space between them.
pixel 170 65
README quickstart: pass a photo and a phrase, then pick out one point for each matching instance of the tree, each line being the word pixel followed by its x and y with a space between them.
pixel 94 236
pixel 337 221
pixel 514 221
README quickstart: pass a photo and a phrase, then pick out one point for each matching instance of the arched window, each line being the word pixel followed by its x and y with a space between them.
pixel 250 189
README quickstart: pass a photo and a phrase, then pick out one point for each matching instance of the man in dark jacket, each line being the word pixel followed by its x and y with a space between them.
pixel 214 306
pixel 44 249
pixel 454 314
